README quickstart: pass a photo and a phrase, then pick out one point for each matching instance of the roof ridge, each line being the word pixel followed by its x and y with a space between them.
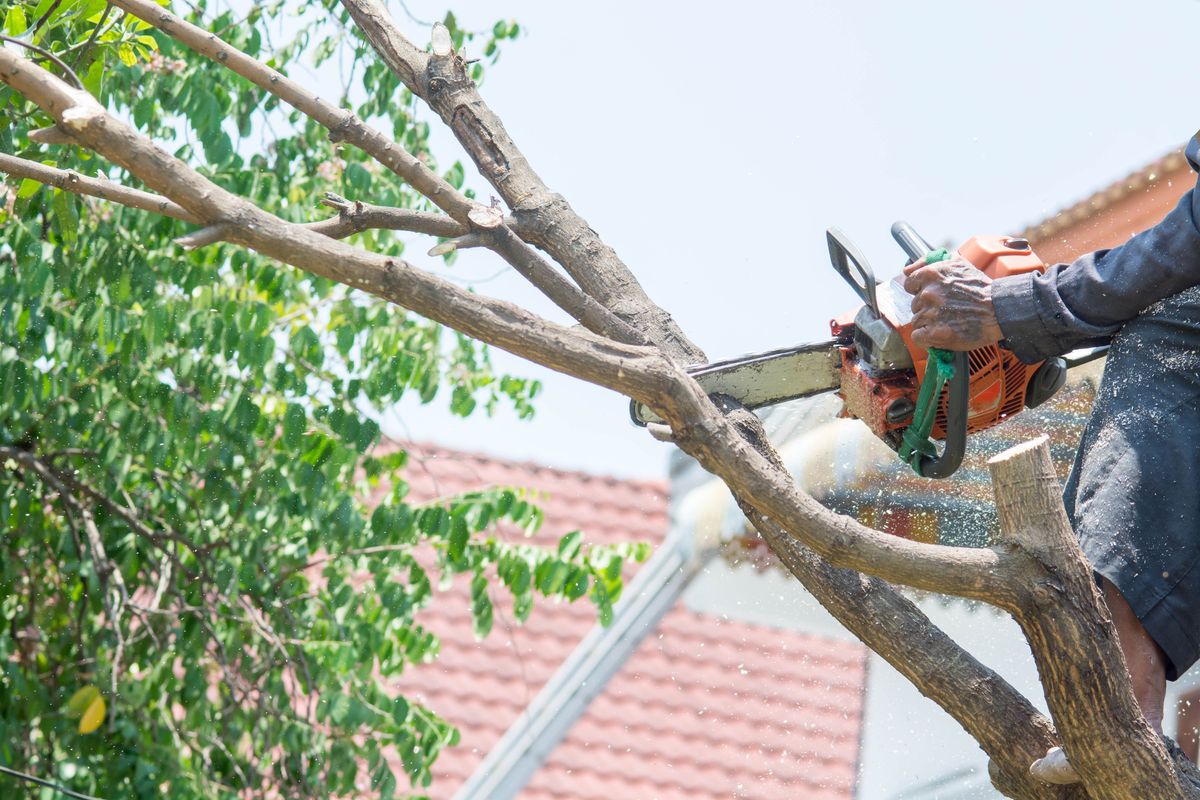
pixel 1103 199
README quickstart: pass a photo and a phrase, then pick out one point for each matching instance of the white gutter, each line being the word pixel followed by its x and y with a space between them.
pixel 647 598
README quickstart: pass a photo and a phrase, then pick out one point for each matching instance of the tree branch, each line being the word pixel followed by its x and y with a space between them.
pixel 71 181
pixel 1062 612
pixel 443 81
pixel 355 217
pixel 1004 723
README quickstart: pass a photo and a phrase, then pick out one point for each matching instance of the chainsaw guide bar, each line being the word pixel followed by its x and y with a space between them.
pixel 764 379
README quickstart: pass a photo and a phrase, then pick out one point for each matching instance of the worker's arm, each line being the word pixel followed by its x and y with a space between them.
pixel 1087 301
pixel 1068 306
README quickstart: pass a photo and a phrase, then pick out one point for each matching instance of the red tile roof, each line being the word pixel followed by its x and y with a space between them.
pixel 705 707
pixel 1113 214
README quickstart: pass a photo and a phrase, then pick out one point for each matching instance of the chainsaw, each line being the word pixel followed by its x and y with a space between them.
pixel 907 395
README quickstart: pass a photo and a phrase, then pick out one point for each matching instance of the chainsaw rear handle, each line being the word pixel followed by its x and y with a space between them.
pixel 948 462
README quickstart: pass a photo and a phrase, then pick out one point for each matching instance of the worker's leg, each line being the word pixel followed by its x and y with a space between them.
pixel 1145 660
pixel 1147 675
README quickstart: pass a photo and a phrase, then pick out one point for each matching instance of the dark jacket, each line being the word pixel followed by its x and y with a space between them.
pixel 1085 302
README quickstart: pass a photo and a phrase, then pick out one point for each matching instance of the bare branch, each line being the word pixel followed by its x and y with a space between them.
pixel 70 181
pixel 356 217
pixel 1062 613
pixel 205 236
pixel 547 220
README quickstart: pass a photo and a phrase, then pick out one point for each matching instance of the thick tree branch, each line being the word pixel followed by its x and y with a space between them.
pixel 1005 724
pixel 547 220
pixel 1107 739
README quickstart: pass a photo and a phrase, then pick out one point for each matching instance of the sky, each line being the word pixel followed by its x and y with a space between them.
pixel 712 144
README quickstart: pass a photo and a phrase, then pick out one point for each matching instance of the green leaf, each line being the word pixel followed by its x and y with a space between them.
pixel 459 535
pixel 14 21
pixel 28 188
pixel 568 546
pixel 294 421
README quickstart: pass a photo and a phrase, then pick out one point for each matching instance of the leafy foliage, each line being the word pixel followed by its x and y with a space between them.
pixel 196 599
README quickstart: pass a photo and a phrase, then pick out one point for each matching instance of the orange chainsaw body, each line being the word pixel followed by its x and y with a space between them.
pixel 999 380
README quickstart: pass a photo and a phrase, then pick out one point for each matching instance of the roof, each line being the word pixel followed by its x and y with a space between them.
pixel 706 707
pixel 1113 214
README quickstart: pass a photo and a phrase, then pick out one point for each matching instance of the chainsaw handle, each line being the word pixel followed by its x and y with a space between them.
pixel 852 265
pixel 914 246
pixel 948 462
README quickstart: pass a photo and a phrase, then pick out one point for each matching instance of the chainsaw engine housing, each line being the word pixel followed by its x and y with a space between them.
pixel 881 367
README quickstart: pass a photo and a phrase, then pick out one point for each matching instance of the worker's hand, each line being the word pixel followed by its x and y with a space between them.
pixel 952 305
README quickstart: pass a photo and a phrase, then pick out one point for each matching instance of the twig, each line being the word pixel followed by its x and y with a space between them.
pixel 47 55
pixel 87 45
pixel 48 784
pixel 71 181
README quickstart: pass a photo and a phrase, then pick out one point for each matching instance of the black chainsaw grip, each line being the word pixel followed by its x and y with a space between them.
pixel 914 246
pixel 950 460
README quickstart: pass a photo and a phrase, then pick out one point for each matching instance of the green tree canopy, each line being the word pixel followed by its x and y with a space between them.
pixel 187 439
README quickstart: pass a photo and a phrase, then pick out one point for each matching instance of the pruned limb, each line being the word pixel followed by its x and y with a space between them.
pixel 1061 611
pixel 547 220
pixel 70 181
pixel 52 135
pixel 211 234
pixel 355 216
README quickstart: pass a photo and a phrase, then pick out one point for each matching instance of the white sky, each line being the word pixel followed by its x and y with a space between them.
pixel 712 143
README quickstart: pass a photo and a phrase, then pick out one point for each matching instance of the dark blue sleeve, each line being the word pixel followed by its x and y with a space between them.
pixel 1087 301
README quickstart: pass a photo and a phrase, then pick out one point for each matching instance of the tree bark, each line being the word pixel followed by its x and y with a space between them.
pixel 1074 644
